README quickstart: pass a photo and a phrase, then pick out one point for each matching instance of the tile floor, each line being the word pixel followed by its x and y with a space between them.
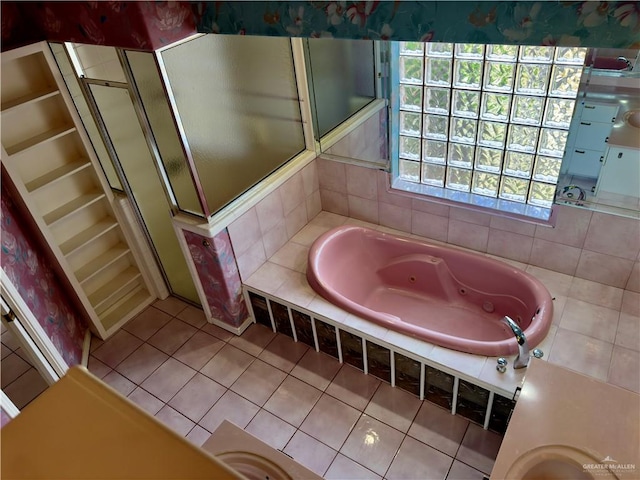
pixel 21 382
pixel 330 417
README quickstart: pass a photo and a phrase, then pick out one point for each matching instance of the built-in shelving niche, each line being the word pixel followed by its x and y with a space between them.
pixel 477 404
pixel 48 157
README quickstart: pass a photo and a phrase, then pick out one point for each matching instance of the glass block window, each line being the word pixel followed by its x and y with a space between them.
pixel 490 120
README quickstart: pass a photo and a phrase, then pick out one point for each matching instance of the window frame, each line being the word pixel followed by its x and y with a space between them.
pixel 526 210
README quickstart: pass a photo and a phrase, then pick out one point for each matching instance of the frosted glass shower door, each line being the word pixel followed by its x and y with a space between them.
pixel 119 117
pixel 237 100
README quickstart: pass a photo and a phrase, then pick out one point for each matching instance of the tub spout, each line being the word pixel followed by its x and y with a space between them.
pixel 627 62
pixel 522 360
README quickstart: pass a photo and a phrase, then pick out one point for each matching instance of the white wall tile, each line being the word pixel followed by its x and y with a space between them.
pixel 332 175
pixel 570 227
pixel 394 217
pixel 633 283
pixel 334 202
pixel 274 239
pixel 252 259
pixel 509 245
pixel 296 219
pixel 554 256
pixel 468 235
pixel 292 193
pixel 314 204
pixel 470 216
pixel 429 225
pixel 310 183
pixel 605 269
pixel 362 182
pixel 269 211
pixel 244 231
pixel 363 209
pixel 611 234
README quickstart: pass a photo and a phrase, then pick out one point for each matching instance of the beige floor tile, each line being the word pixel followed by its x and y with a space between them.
pixel 316 369
pixel 175 420
pixel 353 387
pixel 436 427
pixel 372 444
pixel 258 382
pixel 479 448
pixel 198 350
pixel 393 406
pixel 311 453
pixel 417 460
pixel 330 421
pixel 227 365
pixel 293 400
pixel 197 397
pixel 254 339
pixel 270 429
pixel 232 407
pixel 343 468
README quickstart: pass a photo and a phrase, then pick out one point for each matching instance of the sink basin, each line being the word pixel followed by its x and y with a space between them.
pixel 253 467
pixel 558 462
pixel 633 118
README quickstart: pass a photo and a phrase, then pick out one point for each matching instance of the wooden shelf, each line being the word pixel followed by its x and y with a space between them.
pixel 128 306
pixel 37 140
pixel 71 207
pixel 50 159
pixel 12 105
pixel 95 266
pixel 106 296
pixel 85 236
pixel 56 175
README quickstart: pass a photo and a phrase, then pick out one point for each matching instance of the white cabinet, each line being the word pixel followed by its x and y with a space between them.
pixel 588 143
pixel 49 159
pixel 621 172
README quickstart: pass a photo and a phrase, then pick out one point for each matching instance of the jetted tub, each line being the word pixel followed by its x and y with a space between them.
pixel 444 296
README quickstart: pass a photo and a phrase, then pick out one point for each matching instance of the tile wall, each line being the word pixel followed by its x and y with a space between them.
pixel 594 246
pixel 264 229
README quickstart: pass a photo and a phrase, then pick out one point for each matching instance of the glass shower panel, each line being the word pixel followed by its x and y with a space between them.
pixel 88 121
pixel 149 85
pixel 99 62
pixel 343 79
pixel 238 103
pixel 124 131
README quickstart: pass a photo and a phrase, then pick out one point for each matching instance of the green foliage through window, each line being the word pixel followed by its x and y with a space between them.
pixel 486 119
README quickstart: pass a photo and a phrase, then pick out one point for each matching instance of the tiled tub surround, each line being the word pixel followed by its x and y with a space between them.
pixel 262 230
pixel 192 375
pixel 593 246
pixel 595 331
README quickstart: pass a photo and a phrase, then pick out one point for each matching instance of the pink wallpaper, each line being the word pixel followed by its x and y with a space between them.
pixel 218 274
pixel 27 266
pixel 143 25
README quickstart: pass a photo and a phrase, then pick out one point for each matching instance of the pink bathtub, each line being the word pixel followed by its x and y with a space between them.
pixel 444 296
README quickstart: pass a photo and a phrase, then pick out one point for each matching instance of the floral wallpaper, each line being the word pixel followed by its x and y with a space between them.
pixel 219 276
pixel 144 25
pixel 28 268
pixel 565 23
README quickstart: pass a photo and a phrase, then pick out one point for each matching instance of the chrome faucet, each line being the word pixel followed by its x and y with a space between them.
pixel 627 62
pixel 522 360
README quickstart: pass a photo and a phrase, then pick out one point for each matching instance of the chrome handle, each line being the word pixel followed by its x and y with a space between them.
pixel 538 353
pixel 502 365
